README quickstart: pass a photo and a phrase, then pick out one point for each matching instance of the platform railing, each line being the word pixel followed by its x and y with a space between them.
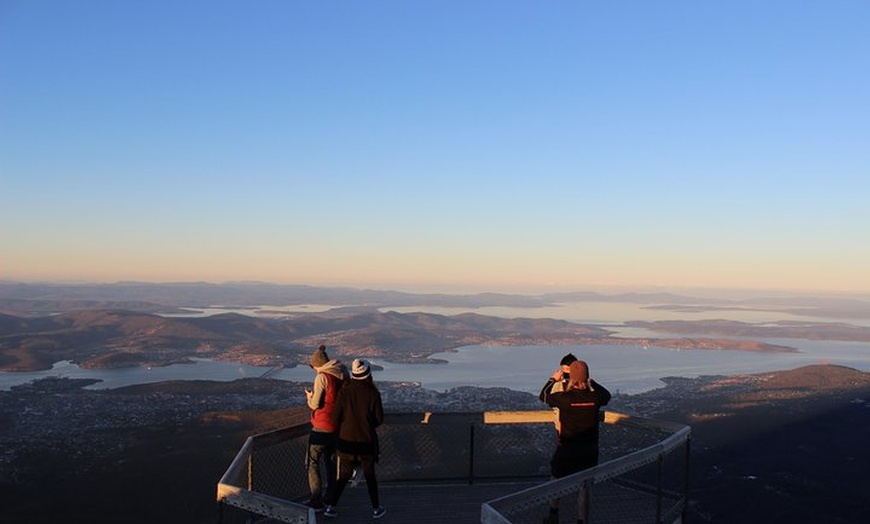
pixel 649 484
pixel 642 475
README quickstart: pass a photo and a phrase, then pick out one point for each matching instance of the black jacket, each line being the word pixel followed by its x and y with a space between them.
pixel 579 412
pixel 358 411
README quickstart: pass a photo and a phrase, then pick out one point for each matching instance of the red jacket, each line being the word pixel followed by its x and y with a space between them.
pixel 322 404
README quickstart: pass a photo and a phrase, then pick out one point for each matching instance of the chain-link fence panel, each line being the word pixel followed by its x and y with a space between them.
pixel 278 466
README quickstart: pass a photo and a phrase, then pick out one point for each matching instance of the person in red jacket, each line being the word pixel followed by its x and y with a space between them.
pixel 579 412
pixel 358 411
pixel 322 437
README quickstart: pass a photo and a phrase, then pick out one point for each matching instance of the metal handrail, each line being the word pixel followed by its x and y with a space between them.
pixel 240 485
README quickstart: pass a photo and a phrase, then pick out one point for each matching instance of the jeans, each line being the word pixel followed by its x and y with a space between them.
pixel 320 454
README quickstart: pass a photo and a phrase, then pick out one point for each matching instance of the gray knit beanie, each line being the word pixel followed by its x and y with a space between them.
pixel 319 357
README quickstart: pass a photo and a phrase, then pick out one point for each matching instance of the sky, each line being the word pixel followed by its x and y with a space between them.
pixel 440 145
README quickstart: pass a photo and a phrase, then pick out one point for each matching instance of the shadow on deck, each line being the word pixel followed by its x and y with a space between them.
pixel 423 503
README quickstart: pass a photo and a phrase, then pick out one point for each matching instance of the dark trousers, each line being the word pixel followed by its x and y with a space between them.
pixel 346 465
pixel 321 453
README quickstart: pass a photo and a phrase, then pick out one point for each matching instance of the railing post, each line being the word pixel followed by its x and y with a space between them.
pixel 250 472
pixel 586 489
pixel 659 462
pixel 685 512
pixel 471 454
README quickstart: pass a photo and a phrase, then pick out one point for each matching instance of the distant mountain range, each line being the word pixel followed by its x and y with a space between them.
pixel 22 298
pixel 243 294
pixel 782 329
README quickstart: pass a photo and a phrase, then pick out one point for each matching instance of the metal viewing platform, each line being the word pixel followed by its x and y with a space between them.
pixel 490 467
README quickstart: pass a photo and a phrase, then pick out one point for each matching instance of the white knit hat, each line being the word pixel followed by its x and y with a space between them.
pixel 361 369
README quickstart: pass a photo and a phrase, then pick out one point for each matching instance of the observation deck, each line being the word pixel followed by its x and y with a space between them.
pixel 485 467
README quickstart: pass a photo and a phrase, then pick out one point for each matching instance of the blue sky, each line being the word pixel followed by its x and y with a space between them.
pixel 474 145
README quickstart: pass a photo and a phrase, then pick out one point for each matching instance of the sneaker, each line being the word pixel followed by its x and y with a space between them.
pixel 379 512
pixel 330 512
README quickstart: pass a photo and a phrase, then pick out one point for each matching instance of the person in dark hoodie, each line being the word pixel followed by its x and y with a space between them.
pixel 358 411
pixel 579 413
pixel 331 375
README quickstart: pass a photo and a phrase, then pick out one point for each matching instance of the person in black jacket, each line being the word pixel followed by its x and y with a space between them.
pixel 358 411
pixel 579 412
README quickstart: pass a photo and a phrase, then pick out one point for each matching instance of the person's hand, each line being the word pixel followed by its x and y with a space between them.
pixel 557 375
pixel 308 393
